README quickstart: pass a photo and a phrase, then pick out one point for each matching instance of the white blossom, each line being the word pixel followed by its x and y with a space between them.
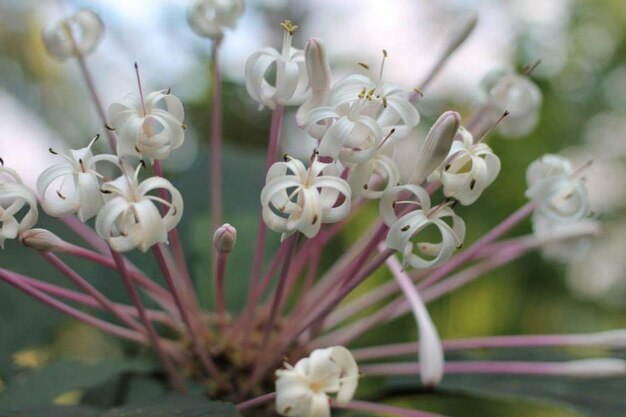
pixel 370 179
pixel 78 190
pixel 302 390
pixel 76 35
pixel 209 18
pixel 299 199
pixel 131 218
pixel 565 241
pixel 291 86
pixel 468 170
pixel 559 196
pixel 14 197
pixel 519 96
pixel 407 228
pixel 149 128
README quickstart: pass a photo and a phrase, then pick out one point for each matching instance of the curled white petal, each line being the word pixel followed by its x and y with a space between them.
pixel 14 196
pixel 209 18
pixel 76 35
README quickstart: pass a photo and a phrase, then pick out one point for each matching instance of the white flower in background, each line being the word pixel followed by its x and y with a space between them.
pixel 436 146
pixel 565 241
pixel 144 128
pixel 516 94
pixel 370 179
pixel 302 390
pixel 131 218
pixel 299 199
pixel 405 229
pixel 14 197
pixel 468 170
pixel 209 18
pixel 556 192
pixel 78 190
pixel 291 86
pixel 76 35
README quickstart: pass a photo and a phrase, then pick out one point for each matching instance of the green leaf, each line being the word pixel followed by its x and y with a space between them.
pixel 177 406
pixel 53 411
pixel 42 386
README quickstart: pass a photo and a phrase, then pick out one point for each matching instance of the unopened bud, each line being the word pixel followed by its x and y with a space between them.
pixel 43 240
pixel 76 35
pixel 317 67
pixel 225 238
pixel 436 146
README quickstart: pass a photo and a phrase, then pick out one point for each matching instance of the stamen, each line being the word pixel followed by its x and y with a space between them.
pixel 61 196
pixel 528 69
pixel 52 151
pixel 418 91
pixel 391 132
pixel 1 162
pixel 143 104
pixel 363 65
pixel 580 169
pixel 289 27
pixel 109 127
pixel 382 65
pixel 95 138
pixel 491 129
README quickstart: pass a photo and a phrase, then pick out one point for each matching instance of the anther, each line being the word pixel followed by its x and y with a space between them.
pixel 109 127
pixel 365 186
pixel 289 27
pixel 183 126
pixel 363 65
pixel 169 91
pixel 61 196
pixel 384 99
pixel 315 218
pixel 418 91
pixel 52 151
pixel 405 228
pixel 472 183
pixel 103 191
pixel 528 69
pixel 1 162
pixel 286 157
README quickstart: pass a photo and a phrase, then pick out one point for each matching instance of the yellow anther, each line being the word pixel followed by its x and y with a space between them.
pixel 364 65
pixel 384 99
pixel 362 93
pixel 289 27
pixel 418 91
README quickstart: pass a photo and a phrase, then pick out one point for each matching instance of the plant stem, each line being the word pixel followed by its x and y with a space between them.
pixel 263 399
pixel 216 139
pixel 220 297
pixel 173 376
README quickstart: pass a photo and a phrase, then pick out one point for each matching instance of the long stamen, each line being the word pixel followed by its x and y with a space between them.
pixel 382 66
pixel 143 104
pixel 491 129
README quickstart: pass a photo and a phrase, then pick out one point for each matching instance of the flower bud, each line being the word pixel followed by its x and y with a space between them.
pixel 225 238
pixel 594 368
pixel 76 35
pixel 43 240
pixel 317 67
pixel 209 18
pixel 436 146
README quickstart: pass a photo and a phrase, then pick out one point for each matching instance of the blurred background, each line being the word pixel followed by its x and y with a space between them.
pixel 582 76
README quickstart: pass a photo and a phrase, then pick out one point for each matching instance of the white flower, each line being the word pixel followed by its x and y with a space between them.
pixel 302 390
pixel 76 35
pixel 565 241
pixel 405 229
pixel 372 178
pixel 468 170
pixel 146 130
pixel 78 189
pixel 299 199
pixel 291 86
pixel 209 18
pixel 557 194
pixel 130 218
pixel 516 94
pixel 14 196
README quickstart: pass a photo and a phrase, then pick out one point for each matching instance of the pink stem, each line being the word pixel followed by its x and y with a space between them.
pixel 379 408
pixel 263 399
pixel 44 298
pixel 173 376
pixel 257 261
pixel 91 290
pixel 506 225
pixel 220 298
pixel 216 140
pixel 86 233
pixel 96 99
pixel 184 313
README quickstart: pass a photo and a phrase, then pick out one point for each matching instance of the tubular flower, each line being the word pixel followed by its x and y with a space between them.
pixel 76 35
pixel 299 199
pixel 209 18
pixel 291 87
pixel 131 219
pixel 79 186
pixel 364 177
pixel 14 196
pixel 406 228
pixel 468 170
pixel 517 94
pixel 146 130
pixel 302 390
pixel 558 195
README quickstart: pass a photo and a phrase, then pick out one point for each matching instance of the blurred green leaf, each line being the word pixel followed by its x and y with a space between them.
pixel 177 406
pixel 53 411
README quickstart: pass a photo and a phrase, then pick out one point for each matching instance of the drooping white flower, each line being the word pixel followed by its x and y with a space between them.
pixel 150 128
pixel 516 94
pixel 131 218
pixel 14 197
pixel 468 170
pixel 291 84
pixel 565 241
pixel 556 192
pixel 76 35
pixel 302 390
pixel 78 190
pixel 406 229
pixel 209 18
pixel 299 199
pixel 370 179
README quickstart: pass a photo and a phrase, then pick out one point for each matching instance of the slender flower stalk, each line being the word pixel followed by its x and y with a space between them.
pixel 216 137
pixel 172 375
pixel 254 402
